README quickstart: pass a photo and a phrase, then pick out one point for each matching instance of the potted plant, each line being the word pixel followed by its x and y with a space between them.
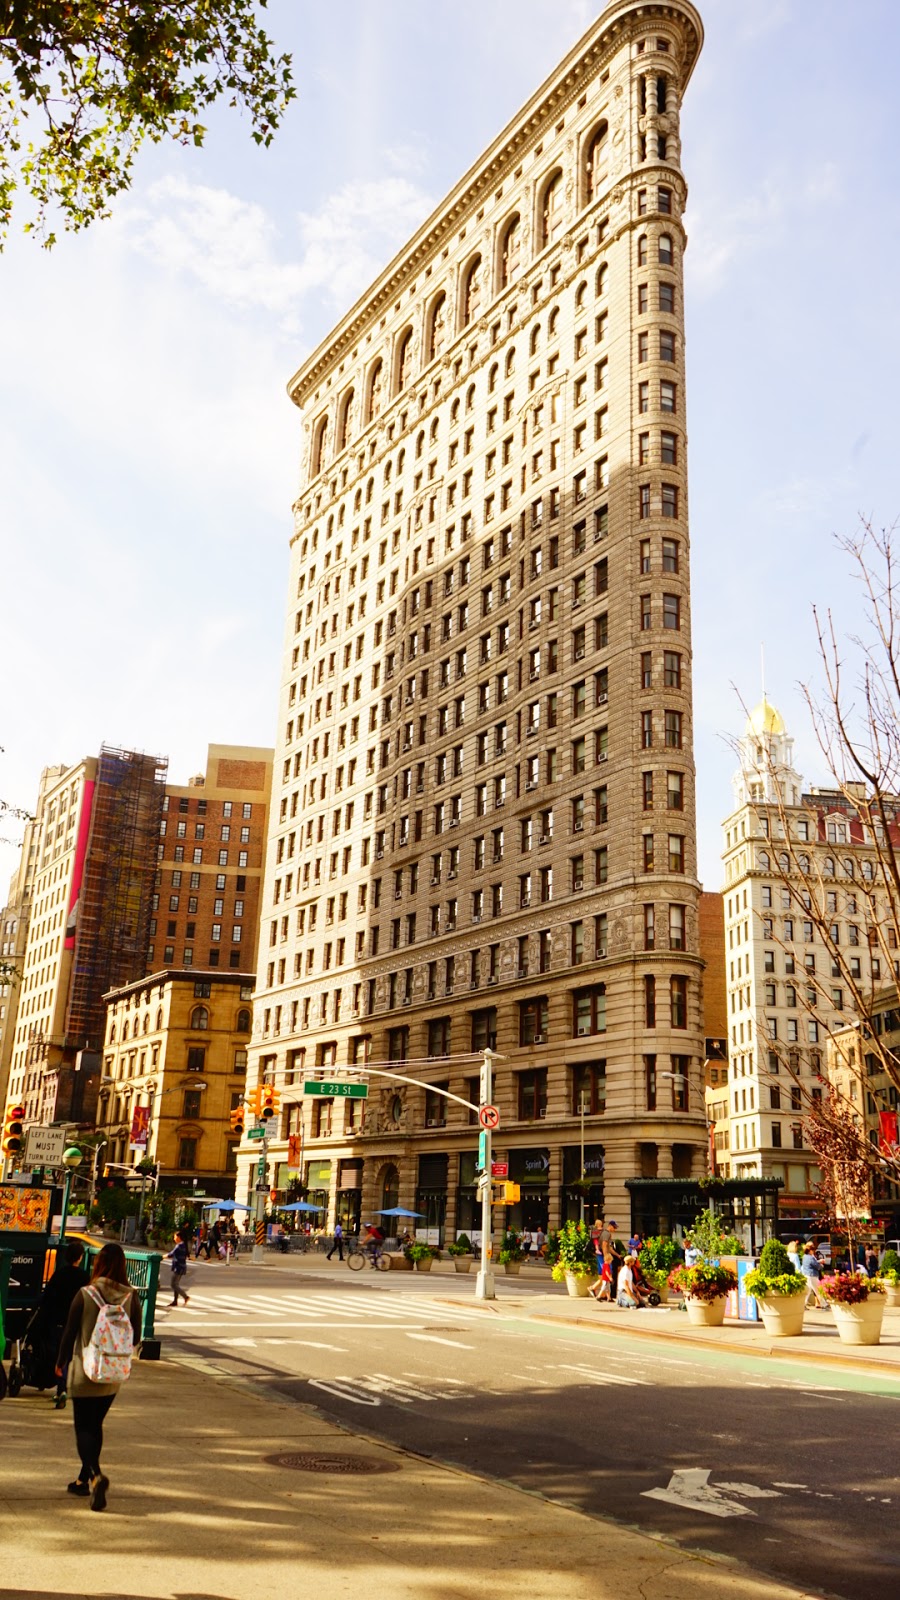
pixel 400 1260
pixel 704 1287
pixel 576 1263
pixel 421 1255
pixel 657 1257
pixel 511 1254
pixel 461 1252
pixel 779 1292
pixel 857 1305
pixel 890 1277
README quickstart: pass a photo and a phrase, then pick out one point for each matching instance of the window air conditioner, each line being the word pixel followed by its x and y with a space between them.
pixel 538 1038
pixel 492 978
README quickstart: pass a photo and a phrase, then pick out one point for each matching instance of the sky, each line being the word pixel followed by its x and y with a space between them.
pixel 149 454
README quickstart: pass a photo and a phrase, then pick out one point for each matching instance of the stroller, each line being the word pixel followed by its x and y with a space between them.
pixel 646 1294
pixel 32 1359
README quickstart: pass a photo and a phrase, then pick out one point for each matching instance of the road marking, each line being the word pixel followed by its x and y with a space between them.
pixel 245 1344
pixel 432 1338
pixel 344 1389
pixel 779 1485
pixel 593 1376
pixel 690 1488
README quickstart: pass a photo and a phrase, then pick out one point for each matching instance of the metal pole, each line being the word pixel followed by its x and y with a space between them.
pixel 582 1157
pixel 65 1208
pixel 485 1288
pixel 93 1191
pixel 259 1210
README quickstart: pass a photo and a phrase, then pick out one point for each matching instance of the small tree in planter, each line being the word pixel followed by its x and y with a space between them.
pixel 890 1277
pixel 422 1255
pixel 461 1252
pixel 778 1290
pixel 657 1257
pixel 706 1236
pixel 857 1304
pixel 511 1253
pixel 576 1263
pixel 704 1287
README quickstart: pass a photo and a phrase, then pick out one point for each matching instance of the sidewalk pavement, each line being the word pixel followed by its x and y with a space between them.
pixel 196 1511
pixel 819 1340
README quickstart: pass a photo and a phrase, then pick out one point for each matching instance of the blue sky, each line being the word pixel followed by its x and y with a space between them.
pixel 148 453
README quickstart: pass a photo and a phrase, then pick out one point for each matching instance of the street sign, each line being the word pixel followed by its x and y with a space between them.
pixel 499 1169
pixel 489 1117
pixel 44 1146
pixel 482 1150
pixel 262 1188
pixel 484 1181
pixel 347 1091
pixel 256 1133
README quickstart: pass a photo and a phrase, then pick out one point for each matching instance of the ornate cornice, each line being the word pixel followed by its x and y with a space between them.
pixel 499 159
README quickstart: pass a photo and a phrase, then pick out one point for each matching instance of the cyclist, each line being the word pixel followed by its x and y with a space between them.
pixel 373 1242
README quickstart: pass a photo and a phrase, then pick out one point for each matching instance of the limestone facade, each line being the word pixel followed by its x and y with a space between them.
pixel 483 801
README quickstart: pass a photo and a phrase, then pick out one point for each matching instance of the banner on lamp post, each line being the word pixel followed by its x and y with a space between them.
pixel 140 1128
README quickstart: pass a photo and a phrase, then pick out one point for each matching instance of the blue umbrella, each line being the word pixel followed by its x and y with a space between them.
pixel 300 1205
pixel 226 1205
pixel 399 1211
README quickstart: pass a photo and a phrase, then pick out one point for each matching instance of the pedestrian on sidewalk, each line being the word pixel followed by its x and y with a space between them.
pixel 178 1257
pixel 53 1311
pixel 793 1250
pixel 102 1332
pixel 336 1244
pixel 809 1266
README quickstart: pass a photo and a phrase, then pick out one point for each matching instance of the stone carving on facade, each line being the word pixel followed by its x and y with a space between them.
pixel 384 1119
pixel 618 939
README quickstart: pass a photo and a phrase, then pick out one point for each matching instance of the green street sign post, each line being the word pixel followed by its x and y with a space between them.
pixel 482 1150
pixel 349 1091
pixel 256 1133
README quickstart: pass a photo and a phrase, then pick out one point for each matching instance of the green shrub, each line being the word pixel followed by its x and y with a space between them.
pixel 774 1261
pixel 659 1253
pixel 891 1262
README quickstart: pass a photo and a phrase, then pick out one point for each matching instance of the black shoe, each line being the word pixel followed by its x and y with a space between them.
pixel 99 1486
pixel 79 1487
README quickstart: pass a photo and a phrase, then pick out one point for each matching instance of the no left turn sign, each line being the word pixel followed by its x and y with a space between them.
pixel 489 1117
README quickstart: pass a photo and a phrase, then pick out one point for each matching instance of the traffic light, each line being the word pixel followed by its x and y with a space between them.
pixel 511 1193
pixel 270 1099
pixel 252 1101
pixel 237 1119
pixel 273 1195
pixel 13 1130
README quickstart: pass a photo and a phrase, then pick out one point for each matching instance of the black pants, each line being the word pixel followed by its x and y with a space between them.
pixel 339 1247
pixel 88 1416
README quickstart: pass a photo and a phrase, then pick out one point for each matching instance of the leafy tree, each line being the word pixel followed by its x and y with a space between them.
pixel 84 82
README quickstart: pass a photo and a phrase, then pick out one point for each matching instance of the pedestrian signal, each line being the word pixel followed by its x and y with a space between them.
pixel 13 1130
pixel 511 1193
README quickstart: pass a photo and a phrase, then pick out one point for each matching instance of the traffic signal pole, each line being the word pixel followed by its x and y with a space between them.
pixel 259 1210
pixel 485 1288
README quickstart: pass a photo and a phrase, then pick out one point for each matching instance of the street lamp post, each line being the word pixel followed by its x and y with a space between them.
pixel 485 1288
pixel 581 1107
pixel 71 1160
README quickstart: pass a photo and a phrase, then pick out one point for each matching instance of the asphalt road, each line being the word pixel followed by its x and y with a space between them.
pixel 793 1472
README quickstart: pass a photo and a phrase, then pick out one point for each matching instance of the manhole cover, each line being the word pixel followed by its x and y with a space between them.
pixel 307 1462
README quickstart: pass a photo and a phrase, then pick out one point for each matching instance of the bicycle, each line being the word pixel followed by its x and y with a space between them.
pixel 357 1255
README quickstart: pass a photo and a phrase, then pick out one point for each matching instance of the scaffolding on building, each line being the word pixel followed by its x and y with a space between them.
pixel 116 902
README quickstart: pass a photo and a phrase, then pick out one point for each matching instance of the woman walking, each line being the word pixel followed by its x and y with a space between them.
pixel 178 1257
pixel 102 1332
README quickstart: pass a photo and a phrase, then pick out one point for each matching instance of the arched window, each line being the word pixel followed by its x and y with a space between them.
pixel 595 162
pixel 867 871
pixel 420 443
pixel 243 1021
pixel 848 866
pixel 829 866
pixel 472 291
pixel 145 1025
pixel 159 1019
pixel 665 249
pixel 510 361
pixel 534 342
pixel 437 326
pixel 642 250
pixel 346 418
pixel 763 861
pixel 376 390
pixel 493 375
pixel 470 398
pixel 404 361
pixel 553 323
pixel 803 862
pixel 318 447
pixel 454 413
pixel 112 1033
pixel 580 296
pixel 552 210
pixel 510 251
pixel 600 281
pixel 433 432
pixel 200 1019
pixel 783 862
pixel 124 1030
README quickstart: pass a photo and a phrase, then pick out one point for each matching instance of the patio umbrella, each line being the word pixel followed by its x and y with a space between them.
pixel 399 1211
pixel 228 1205
pixel 300 1205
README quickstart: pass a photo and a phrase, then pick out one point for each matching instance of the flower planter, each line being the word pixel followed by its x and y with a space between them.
pixel 892 1295
pixel 706 1313
pixel 578 1285
pixel 860 1324
pixel 425 1264
pixel 511 1268
pixel 398 1262
pixel 782 1314
pixel 462 1263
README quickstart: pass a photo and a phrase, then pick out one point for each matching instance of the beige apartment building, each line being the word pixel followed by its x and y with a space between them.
pixel 794 860
pixel 483 805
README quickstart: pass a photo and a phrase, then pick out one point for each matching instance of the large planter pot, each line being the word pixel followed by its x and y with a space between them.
pixel 398 1262
pixel 892 1295
pixel 705 1313
pixel 425 1265
pixel 578 1285
pixel 462 1263
pixel 782 1314
pixel 860 1324
pixel 511 1268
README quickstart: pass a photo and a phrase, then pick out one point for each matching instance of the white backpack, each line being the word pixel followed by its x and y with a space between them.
pixel 107 1355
